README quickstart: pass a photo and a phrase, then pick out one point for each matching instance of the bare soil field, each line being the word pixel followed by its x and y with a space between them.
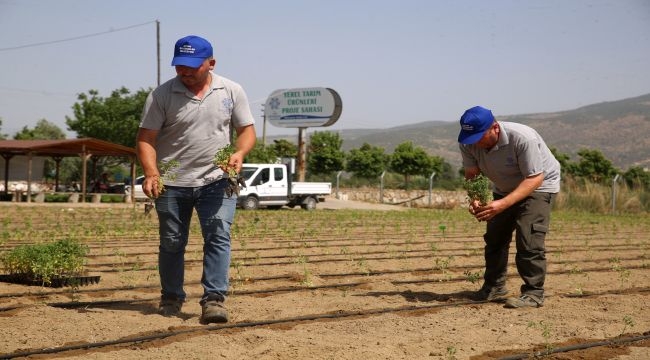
pixel 334 283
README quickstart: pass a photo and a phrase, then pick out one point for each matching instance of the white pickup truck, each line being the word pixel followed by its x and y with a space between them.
pixel 270 186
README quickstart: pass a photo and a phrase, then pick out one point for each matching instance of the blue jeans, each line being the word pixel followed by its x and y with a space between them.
pixel 216 212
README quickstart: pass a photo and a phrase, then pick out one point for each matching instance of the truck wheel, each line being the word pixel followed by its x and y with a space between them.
pixel 309 204
pixel 250 203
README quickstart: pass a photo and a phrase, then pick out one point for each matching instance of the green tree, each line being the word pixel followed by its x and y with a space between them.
pixel 325 154
pixel 367 162
pixel 408 160
pixel 284 148
pixel 2 136
pixel 594 167
pixel 566 167
pixel 261 154
pixel 44 130
pixel 637 177
pixel 114 119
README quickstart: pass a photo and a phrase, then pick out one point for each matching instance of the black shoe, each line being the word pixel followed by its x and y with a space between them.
pixel 170 307
pixel 497 293
pixel 522 302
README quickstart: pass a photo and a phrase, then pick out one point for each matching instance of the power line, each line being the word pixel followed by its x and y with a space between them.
pixel 76 37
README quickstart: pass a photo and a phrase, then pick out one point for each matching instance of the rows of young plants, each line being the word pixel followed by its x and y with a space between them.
pixel 329 261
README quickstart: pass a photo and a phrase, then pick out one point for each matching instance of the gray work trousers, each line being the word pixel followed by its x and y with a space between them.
pixel 529 219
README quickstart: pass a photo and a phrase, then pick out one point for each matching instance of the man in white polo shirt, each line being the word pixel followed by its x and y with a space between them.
pixel 526 178
pixel 187 120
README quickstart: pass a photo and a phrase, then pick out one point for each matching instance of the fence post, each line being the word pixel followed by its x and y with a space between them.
pixel 614 193
pixel 431 186
pixel 338 175
pixel 381 187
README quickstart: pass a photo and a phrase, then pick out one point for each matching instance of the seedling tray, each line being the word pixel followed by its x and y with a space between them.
pixel 55 283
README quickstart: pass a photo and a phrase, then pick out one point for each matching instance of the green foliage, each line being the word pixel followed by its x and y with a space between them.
pixel 261 154
pixel 367 162
pixel 479 188
pixel 593 166
pixel 115 119
pixel 222 157
pixel 44 130
pixel 637 178
pixel 2 136
pixel 408 160
pixel 284 148
pixel 167 173
pixel 325 154
pixel 44 262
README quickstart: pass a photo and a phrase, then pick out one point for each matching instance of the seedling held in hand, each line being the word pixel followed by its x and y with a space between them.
pixel 479 188
pixel 221 160
pixel 166 169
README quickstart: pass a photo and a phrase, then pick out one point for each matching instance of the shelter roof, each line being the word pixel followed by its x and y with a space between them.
pixel 67 147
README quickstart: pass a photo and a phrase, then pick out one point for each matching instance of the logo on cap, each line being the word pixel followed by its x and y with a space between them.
pixel 186 49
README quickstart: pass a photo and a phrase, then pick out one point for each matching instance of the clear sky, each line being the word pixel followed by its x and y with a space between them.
pixel 392 62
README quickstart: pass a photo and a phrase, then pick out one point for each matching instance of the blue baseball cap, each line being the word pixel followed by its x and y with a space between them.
pixel 473 124
pixel 191 51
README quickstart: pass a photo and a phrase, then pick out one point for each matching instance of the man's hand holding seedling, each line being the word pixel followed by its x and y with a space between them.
pixel 479 195
pixel 231 161
pixel 153 185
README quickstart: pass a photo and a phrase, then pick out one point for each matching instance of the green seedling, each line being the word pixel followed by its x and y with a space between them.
pixel 628 323
pixel 442 228
pixel 479 188
pixel 473 277
pixel 167 172
pixel 45 262
pixel 221 159
pixel 547 330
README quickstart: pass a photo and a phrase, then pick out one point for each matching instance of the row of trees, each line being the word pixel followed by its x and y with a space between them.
pixel 116 119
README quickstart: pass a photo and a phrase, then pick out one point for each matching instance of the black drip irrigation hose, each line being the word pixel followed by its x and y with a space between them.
pixel 582 346
pixel 141 266
pixel 90 304
pixel 159 336
pixel 324 275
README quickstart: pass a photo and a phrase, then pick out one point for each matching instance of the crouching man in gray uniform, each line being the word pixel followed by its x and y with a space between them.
pixel 526 178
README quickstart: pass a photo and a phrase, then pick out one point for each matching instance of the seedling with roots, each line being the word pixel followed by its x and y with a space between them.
pixel 221 160
pixel 167 173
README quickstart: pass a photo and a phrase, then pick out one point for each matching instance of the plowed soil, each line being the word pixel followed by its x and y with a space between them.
pixel 346 281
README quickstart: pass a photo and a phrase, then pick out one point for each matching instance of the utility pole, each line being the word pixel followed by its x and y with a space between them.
pixel 158 50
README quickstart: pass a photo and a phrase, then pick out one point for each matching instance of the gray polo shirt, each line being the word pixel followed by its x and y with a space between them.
pixel 192 130
pixel 520 152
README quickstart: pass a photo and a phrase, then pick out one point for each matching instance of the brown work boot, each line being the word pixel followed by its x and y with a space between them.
pixel 496 293
pixel 213 311
pixel 522 302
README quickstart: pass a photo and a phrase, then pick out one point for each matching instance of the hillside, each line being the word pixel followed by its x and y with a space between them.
pixel 619 129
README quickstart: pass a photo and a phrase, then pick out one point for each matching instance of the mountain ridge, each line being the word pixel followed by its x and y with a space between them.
pixel 619 129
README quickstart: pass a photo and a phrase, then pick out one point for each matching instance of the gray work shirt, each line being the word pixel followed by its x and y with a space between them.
pixel 520 153
pixel 192 130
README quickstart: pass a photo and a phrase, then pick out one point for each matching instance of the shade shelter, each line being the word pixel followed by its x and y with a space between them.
pixel 57 149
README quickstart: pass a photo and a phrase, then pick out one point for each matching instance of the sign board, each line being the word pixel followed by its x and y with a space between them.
pixel 303 107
